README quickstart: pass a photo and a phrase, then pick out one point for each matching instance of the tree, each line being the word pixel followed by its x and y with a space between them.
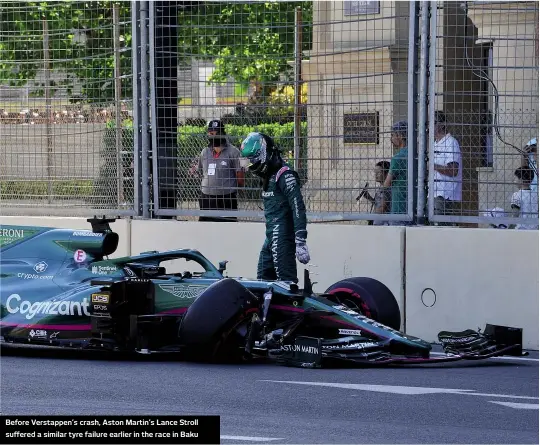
pixel 248 41
pixel 80 44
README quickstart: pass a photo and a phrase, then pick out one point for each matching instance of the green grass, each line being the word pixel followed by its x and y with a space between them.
pixel 30 189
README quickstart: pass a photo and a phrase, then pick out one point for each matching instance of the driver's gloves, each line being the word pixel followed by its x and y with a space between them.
pixel 302 252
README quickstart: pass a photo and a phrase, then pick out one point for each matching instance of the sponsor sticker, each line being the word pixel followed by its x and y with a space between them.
pixel 87 233
pixel 38 333
pixel 361 345
pixel 41 267
pixel 100 298
pixel 350 332
pixel 79 256
pixel 33 276
pixel 15 304
pixel 8 236
pixel 103 270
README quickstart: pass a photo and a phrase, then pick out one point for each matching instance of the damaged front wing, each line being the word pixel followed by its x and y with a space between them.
pixel 311 352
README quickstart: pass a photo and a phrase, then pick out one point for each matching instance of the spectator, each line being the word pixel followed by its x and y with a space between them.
pixel 380 202
pixel 448 172
pixel 530 159
pixel 219 165
pixel 524 202
pixel 396 179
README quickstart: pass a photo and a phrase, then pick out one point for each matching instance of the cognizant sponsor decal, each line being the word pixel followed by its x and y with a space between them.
pixel 15 304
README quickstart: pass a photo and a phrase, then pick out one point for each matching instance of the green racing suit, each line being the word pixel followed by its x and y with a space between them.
pixel 285 217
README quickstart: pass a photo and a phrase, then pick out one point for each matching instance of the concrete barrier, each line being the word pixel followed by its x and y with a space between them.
pixel 338 252
pixel 120 226
pixel 464 278
pixel 454 278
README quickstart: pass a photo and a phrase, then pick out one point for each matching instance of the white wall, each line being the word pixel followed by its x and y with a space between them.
pixel 337 251
pixel 120 226
pixel 479 276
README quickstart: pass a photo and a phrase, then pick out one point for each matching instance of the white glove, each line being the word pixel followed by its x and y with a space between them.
pixel 302 252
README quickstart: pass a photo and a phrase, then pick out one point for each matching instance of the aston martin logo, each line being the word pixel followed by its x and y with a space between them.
pixel 186 291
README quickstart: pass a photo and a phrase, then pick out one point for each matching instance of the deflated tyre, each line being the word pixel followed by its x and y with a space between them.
pixel 209 328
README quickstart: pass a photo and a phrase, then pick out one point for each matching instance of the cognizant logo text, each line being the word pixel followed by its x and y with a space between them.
pixel 14 304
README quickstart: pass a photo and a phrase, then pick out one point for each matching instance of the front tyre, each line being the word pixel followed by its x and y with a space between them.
pixel 368 296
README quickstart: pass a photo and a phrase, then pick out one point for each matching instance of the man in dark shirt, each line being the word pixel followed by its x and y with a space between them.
pixel 219 165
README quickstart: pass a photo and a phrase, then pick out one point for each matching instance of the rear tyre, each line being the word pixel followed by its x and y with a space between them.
pixel 368 296
pixel 210 328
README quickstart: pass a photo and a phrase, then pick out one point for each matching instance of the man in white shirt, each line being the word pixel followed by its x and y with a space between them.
pixel 448 171
pixel 524 202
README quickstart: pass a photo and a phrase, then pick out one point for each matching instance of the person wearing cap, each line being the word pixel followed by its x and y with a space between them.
pixel 219 165
pixel 448 170
pixel 396 179
pixel 530 160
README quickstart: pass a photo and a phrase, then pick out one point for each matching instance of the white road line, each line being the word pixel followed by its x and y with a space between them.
pixel 517 405
pixel 404 390
pixel 499 358
pixel 251 438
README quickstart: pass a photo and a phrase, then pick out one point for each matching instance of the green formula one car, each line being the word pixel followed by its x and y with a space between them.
pixel 58 289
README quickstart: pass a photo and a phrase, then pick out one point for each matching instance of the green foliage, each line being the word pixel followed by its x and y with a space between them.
pixel 88 59
pixel 191 141
pixel 249 41
pixel 28 189
pixel 246 40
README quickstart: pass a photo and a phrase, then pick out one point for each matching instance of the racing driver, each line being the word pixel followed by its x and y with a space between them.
pixel 284 210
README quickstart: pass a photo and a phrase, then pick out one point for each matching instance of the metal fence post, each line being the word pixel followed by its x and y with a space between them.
pixel 137 126
pixel 117 105
pixel 297 86
pixel 422 103
pixel 412 97
pixel 431 107
pixel 145 146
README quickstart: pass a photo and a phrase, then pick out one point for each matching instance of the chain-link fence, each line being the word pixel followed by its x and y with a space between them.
pixel 326 80
pixel 358 95
pixel 484 113
pixel 65 89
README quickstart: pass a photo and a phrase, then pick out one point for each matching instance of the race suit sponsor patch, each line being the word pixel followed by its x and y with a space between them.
pixel 14 305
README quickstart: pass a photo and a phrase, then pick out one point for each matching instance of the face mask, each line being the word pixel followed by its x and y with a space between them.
pixel 217 141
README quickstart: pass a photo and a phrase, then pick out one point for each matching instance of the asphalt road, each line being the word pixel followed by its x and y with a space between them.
pixel 494 401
